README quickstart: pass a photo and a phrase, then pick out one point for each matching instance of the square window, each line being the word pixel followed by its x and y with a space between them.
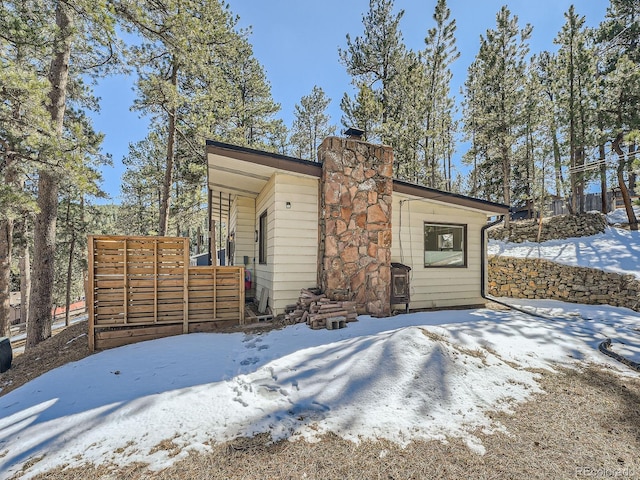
pixel 445 245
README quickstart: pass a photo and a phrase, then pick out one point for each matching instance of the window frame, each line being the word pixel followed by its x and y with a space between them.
pixel 262 238
pixel 464 243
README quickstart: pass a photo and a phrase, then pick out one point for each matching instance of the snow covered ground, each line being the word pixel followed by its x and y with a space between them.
pixel 415 376
pixel 619 215
pixel 616 250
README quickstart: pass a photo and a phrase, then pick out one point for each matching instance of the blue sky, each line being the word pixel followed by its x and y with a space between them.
pixel 297 43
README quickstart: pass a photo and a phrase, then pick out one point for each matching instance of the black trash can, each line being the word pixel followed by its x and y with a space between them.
pixel 6 355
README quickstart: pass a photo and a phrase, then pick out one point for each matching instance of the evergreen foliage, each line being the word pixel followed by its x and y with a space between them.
pixel 495 101
pixel 311 124
pixel 403 97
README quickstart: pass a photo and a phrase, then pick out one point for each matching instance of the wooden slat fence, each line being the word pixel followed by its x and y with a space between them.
pixel 141 288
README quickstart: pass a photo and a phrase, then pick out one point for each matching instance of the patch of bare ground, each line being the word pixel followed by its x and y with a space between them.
pixel 586 424
pixel 68 345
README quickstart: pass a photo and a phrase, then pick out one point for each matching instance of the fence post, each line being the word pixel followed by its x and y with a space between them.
pixel 125 282
pixel 185 310
pixel 155 280
pixel 241 290
pixel 89 294
pixel 214 273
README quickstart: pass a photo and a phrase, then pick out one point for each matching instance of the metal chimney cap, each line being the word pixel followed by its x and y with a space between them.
pixel 353 132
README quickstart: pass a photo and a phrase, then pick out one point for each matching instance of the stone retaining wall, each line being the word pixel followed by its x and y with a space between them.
pixel 560 226
pixel 542 279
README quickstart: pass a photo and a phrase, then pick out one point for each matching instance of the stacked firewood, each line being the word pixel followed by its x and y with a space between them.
pixel 318 311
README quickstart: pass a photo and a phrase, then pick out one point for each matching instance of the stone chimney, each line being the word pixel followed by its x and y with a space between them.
pixel 355 223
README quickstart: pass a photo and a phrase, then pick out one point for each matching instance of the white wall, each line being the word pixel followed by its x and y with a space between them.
pixel 242 222
pixel 295 238
pixel 292 237
pixel 263 277
pixel 436 287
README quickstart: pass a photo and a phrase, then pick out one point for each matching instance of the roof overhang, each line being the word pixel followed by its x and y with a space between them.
pixel 234 170
pixel 490 208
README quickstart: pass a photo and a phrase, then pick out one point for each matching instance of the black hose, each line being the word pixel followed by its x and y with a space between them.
pixel 605 347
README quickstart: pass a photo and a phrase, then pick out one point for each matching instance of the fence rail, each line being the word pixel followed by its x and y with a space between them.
pixel 141 288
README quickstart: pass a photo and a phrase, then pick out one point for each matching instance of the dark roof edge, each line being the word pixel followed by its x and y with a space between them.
pixel 269 159
pixel 448 197
pixel 306 167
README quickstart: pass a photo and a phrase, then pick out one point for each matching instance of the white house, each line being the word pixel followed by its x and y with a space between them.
pixel 340 224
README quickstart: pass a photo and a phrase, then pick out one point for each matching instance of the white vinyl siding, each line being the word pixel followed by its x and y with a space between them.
pixel 295 240
pixel 292 244
pixel 243 213
pixel 241 221
pixel 264 272
pixel 292 238
pixel 435 287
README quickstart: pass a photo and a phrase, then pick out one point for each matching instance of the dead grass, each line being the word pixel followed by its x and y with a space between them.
pixel 168 445
pixel 476 352
pixel 586 424
pixel 436 337
pixel 68 345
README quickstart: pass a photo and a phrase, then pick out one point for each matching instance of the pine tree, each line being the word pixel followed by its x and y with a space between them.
pixel 363 112
pixel 278 138
pixel 374 61
pixel 197 75
pixel 177 35
pixel 311 124
pixel 142 181
pixel 407 129
pixel 576 75
pixel 53 46
pixel 439 126
pixel 23 126
pixel 249 105
pixel 547 68
pixel 476 155
pixel 619 41
pixel 495 95
pixel 529 165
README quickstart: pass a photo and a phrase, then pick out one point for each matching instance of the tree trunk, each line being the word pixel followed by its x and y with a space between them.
pixel 69 277
pixel 557 160
pixel 6 246
pixel 506 181
pixel 530 173
pixel 633 221
pixel 6 242
pixel 39 323
pixel 449 181
pixel 633 150
pixel 168 172
pixel 44 250
pixel 25 272
pixel 178 230
pixel 573 151
pixel 581 174
pixel 603 180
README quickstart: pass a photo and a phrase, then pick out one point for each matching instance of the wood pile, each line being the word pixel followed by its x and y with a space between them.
pixel 317 311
